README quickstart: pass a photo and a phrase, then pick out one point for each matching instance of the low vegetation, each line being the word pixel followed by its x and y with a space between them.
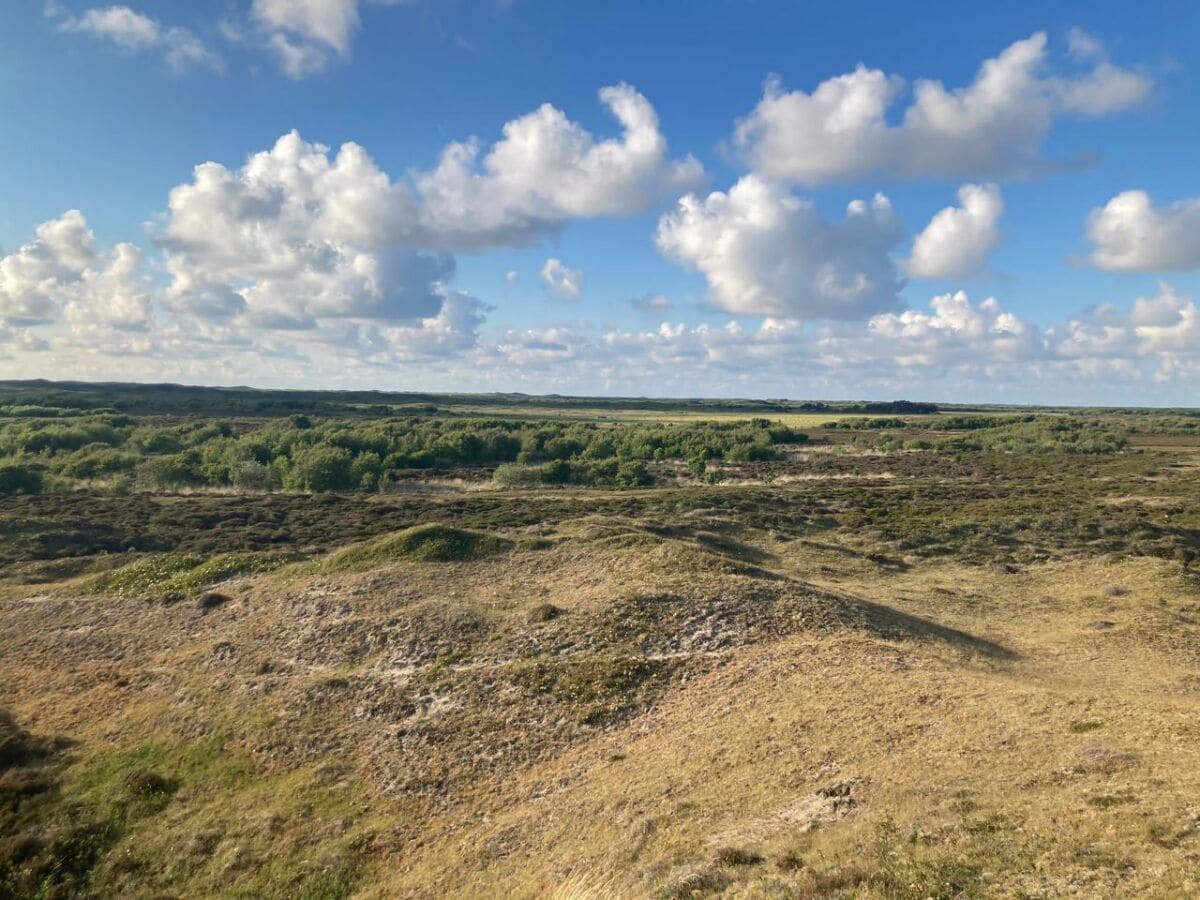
pixel 171 576
pixel 262 644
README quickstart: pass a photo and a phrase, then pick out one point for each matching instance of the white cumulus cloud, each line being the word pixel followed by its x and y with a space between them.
pixel 296 236
pixel 1131 234
pixel 992 127
pixel 329 22
pixel 953 331
pixel 767 252
pixel 304 33
pixel 304 247
pixel 958 240
pixel 1166 325
pixel 547 169
pixel 62 273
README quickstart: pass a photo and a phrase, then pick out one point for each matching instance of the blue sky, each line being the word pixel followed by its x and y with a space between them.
pixel 1082 230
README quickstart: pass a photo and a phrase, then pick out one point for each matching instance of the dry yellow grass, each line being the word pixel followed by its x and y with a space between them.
pixel 1069 767
pixel 948 730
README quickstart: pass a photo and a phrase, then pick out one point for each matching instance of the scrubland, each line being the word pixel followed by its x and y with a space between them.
pixel 597 651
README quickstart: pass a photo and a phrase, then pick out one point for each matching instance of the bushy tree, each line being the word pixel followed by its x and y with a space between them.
pixel 320 469
pixel 170 472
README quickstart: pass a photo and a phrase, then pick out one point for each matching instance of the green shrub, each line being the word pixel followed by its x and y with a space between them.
pixel 516 475
pixel 251 475
pixel 321 469
pixel 17 479
pixel 633 474
pixel 97 461
pixel 169 472
pixel 557 472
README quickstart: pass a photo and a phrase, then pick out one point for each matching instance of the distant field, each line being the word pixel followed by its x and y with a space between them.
pixel 258 644
pixel 798 420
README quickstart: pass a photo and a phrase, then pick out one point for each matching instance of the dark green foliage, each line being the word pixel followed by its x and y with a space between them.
pixel 980 506
pixel 1029 434
pixel 612 473
pixel 303 453
pixel 170 472
pixel 974 423
pixel 98 461
pixel 17 479
pixel 50 436
pixel 320 469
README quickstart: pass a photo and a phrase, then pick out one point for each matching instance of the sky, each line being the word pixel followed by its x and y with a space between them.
pixel 734 198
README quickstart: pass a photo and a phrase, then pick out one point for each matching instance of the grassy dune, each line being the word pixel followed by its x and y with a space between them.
pixel 861 670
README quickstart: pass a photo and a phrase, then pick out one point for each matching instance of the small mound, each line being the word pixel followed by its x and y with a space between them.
pixel 211 600
pixel 424 543
pixel 543 612
pixel 144 783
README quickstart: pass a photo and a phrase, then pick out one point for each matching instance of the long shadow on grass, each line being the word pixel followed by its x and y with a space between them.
pixel 721 544
pixel 880 559
pixel 892 623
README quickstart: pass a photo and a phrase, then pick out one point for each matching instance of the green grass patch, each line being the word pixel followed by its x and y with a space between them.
pixel 206 763
pixel 334 883
pixel 62 828
pixel 424 543
pixel 182 573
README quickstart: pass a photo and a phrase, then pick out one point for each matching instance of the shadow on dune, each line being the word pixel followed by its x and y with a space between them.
pixel 879 559
pixel 712 541
pixel 892 623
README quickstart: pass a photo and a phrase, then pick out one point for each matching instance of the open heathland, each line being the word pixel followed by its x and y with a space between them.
pixel 325 645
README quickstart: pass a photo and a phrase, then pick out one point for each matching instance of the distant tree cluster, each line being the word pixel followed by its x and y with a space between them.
pixel 305 453
pixel 1028 434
